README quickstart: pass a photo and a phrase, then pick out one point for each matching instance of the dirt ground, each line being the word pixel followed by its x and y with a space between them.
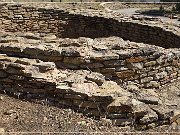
pixel 22 117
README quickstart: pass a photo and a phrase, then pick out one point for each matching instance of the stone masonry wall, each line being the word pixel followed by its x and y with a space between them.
pixel 125 62
pixel 17 17
pixel 44 55
pixel 35 80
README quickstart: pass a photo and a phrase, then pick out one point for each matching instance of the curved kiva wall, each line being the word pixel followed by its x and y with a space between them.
pixel 16 17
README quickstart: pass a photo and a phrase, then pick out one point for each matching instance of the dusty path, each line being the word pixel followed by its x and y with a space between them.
pixel 22 116
pixel 132 11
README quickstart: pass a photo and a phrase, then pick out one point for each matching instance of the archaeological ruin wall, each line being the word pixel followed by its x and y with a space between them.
pixel 84 61
pixel 147 66
pixel 64 24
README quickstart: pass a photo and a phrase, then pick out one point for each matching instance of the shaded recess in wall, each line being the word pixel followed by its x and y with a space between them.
pixel 67 25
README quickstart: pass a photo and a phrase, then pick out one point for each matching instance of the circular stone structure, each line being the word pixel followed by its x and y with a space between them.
pixel 98 63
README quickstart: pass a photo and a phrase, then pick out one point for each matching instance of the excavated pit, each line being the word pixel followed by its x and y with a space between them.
pixel 85 62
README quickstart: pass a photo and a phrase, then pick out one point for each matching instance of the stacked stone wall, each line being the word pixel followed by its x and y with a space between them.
pixel 43 55
pixel 26 79
pixel 144 65
pixel 64 24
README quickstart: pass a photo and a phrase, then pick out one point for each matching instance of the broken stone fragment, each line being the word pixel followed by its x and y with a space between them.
pixel 92 65
pixel 33 51
pixel 100 47
pixel 70 42
pixel 149 99
pixel 49 37
pixel 127 74
pixel 23 61
pixel 100 56
pixel 70 52
pixel 17 66
pixel 150 63
pixel 110 88
pixel 120 104
pixel 133 88
pixel 135 65
pixel 96 77
pixel 114 63
pixel 139 108
pixel 160 75
pixel 135 59
pixel 150 117
pixel 62 65
pixel 163 113
pixel 146 79
pixel 73 60
pixel 152 84
pixel 45 66
pixel 29 35
pixel 62 88
pixel 11 48
pixel 86 88
pixel 8 40
pixel 13 70
pixel 123 54
pixel 148 51
pixel 108 70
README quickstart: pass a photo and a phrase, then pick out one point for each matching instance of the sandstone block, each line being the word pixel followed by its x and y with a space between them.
pixel 125 74
pixel 153 84
pixel 135 65
pixel 163 113
pixel 160 75
pixel 135 59
pixel 108 70
pixel 73 60
pixel 45 66
pixel 150 117
pixel 120 104
pixel 150 63
pixel 96 77
pixel 102 57
pixel 146 79
pixel 114 63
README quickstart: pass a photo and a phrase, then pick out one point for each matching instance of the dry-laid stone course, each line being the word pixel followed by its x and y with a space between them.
pixel 59 55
